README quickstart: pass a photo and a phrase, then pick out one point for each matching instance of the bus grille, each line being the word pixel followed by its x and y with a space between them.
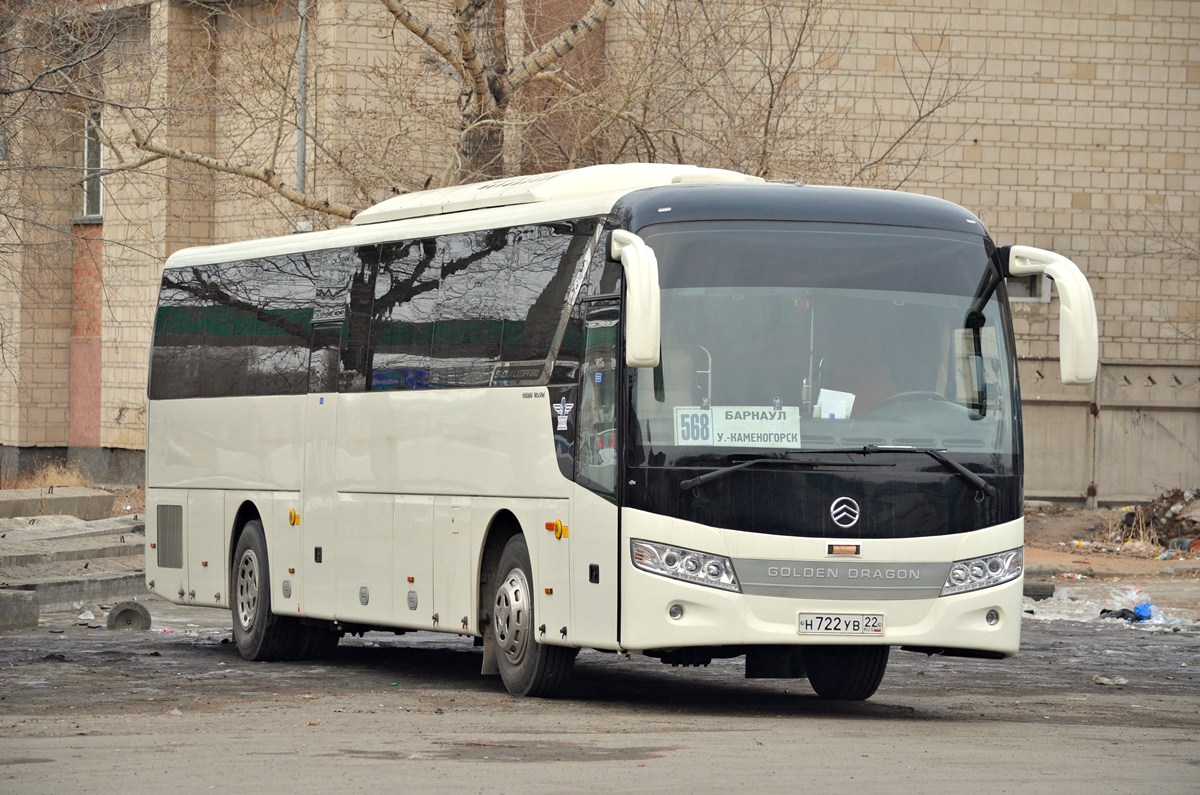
pixel 170 536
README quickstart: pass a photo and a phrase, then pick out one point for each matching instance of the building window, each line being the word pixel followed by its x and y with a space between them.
pixel 1035 288
pixel 92 163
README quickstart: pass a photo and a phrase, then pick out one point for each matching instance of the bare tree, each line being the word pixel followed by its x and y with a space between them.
pixel 474 45
pixel 753 85
pixel 48 53
pixel 757 86
pixel 1171 238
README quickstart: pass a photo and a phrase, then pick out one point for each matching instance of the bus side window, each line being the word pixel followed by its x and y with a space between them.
pixel 596 442
pixel 323 357
pixel 178 336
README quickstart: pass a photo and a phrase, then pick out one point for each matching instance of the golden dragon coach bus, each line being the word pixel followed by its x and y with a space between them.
pixel 653 409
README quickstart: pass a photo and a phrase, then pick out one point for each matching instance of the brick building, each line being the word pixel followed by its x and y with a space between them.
pixel 1074 126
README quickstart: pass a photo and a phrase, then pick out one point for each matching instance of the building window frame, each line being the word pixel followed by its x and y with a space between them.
pixel 93 164
pixel 1033 289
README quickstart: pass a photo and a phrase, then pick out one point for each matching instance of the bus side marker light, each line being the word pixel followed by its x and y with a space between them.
pixel 204 564
pixel 410 580
pixel 549 592
pixel 291 569
pixel 293 517
pixel 559 529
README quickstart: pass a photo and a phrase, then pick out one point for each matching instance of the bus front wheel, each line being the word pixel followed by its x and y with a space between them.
pixel 528 668
pixel 259 633
pixel 845 673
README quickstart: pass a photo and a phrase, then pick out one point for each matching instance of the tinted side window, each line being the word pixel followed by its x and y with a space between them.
pixel 234 329
pixel 256 320
pixel 178 337
pixel 604 275
pixel 405 297
pixel 546 264
pixel 229 321
pixel 345 290
pixel 280 291
pixel 330 317
pixel 472 309
pixel 475 269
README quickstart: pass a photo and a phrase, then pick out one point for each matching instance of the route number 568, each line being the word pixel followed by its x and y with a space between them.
pixel 694 427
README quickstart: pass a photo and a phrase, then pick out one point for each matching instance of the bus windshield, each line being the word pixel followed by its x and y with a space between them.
pixel 787 336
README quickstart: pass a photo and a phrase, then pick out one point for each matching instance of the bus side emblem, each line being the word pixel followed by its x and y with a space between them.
pixel 844 512
pixel 563 409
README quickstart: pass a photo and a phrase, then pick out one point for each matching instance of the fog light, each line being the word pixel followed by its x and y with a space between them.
pixel 992 617
pixel 675 612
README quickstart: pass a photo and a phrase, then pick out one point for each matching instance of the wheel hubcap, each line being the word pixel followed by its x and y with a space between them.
pixel 247 589
pixel 512 616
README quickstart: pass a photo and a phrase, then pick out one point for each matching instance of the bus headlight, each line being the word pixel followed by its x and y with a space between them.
pixel 688 565
pixel 983 572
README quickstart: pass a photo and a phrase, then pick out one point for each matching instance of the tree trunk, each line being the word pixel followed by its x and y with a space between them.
pixel 481 146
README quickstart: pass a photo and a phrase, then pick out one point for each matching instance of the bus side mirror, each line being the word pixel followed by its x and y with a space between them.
pixel 1078 332
pixel 641 298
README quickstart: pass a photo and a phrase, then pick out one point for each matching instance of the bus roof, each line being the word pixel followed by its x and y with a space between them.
pixel 555 186
pixel 694 193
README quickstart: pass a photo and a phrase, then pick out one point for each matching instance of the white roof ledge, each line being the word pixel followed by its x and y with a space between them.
pixel 555 186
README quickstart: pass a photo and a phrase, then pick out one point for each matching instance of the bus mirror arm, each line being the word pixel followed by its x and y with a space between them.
pixel 640 268
pixel 1078 331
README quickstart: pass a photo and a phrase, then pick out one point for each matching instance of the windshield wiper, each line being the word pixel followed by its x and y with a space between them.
pixel 784 458
pixel 943 459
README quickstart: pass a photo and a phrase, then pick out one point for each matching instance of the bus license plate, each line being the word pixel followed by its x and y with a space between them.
pixel 840 624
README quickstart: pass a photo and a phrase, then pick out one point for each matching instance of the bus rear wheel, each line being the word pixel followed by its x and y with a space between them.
pixel 314 642
pixel 259 633
pixel 528 668
pixel 845 673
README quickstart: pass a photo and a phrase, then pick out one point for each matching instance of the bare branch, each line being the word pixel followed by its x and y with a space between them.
pixel 424 31
pixel 464 12
pixel 553 51
pixel 264 175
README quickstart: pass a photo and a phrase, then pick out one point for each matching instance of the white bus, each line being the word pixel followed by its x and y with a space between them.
pixel 648 409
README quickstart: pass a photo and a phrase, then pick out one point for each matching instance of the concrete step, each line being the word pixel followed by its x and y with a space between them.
pixel 84 503
pixel 88 590
pixel 40 528
pixel 58 561
pixel 66 550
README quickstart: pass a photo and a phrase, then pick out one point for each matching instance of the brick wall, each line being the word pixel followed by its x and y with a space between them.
pixel 1076 128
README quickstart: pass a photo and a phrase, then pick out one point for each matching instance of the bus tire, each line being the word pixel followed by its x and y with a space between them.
pixel 1037 591
pixel 845 673
pixel 259 633
pixel 316 642
pixel 528 668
